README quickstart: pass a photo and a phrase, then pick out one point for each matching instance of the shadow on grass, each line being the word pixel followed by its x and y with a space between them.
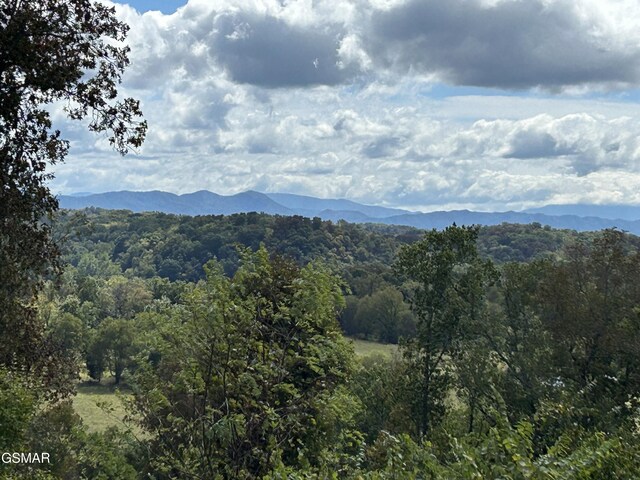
pixel 100 405
pixel 104 387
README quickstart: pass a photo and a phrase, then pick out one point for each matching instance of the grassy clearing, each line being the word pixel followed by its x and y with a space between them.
pixel 99 405
pixel 365 348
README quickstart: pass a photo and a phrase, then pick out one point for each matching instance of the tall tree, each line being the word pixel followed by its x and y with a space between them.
pixel 449 281
pixel 519 340
pixel 250 375
pixel 590 305
pixel 65 52
pixel 385 315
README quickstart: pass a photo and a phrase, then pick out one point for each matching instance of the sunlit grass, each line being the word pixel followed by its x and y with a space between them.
pixel 364 348
pixel 99 406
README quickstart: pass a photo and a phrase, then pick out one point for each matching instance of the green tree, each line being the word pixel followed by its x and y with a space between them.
pixel 505 451
pixel 516 342
pixel 250 376
pixel 50 51
pixel 68 331
pixel 385 315
pixel 449 283
pixel 17 405
pixel 378 384
pixel 95 357
pixel 589 304
pixel 113 346
pixel 123 297
pixel 76 453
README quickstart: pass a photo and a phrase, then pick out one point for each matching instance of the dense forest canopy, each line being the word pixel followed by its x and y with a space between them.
pixel 101 242
pixel 176 247
pixel 518 350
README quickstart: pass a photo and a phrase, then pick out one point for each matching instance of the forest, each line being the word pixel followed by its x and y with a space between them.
pixel 232 347
pixel 229 340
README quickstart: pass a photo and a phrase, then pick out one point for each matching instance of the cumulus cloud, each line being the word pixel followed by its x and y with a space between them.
pixel 583 142
pixel 332 98
pixel 510 44
pixel 268 52
pixel 266 44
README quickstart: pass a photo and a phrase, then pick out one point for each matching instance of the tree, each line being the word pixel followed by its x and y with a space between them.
pixel 385 315
pixel 68 331
pixel 113 346
pixel 75 452
pixel 122 297
pixel 589 304
pixel 519 341
pixel 449 281
pixel 378 384
pixel 17 405
pixel 64 52
pixel 95 357
pixel 250 375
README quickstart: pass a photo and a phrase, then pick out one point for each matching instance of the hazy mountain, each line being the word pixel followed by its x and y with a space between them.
pixel 124 200
pixel 197 203
pixel 623 212
pixel 314 206
pixel 204 202
pixel 208 203
pixel 465 217
pixel 80 194
pixel 350 216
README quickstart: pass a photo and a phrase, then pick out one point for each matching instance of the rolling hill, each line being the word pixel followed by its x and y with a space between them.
pixel 208 203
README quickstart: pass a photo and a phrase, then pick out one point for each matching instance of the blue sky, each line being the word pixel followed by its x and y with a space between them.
pixel 423 104
pixel 164 6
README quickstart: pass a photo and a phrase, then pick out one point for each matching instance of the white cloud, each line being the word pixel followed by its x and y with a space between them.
pixel 235 102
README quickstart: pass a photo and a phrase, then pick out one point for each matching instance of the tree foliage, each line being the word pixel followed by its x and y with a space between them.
pixel 589 304
pixel 450 282
pixel 529 370
pixel 53 54
pixel 250 377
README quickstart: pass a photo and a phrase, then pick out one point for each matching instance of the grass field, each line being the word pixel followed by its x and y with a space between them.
pixel 99 406
pixel 364 348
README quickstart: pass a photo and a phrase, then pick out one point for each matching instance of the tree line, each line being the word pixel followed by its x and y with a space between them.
pixel 520 369
pixel 99 243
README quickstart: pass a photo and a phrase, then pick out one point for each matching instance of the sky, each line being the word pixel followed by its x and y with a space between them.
pixel 422 104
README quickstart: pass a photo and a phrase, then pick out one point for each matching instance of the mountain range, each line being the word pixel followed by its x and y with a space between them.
pixel 576 217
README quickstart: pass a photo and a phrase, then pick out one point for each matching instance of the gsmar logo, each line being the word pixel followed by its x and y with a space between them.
pixel 21 457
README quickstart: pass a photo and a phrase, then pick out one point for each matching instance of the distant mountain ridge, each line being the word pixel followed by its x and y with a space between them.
pixel 614 212
pixel 208 203
pixel 316 206
pixel 202 202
